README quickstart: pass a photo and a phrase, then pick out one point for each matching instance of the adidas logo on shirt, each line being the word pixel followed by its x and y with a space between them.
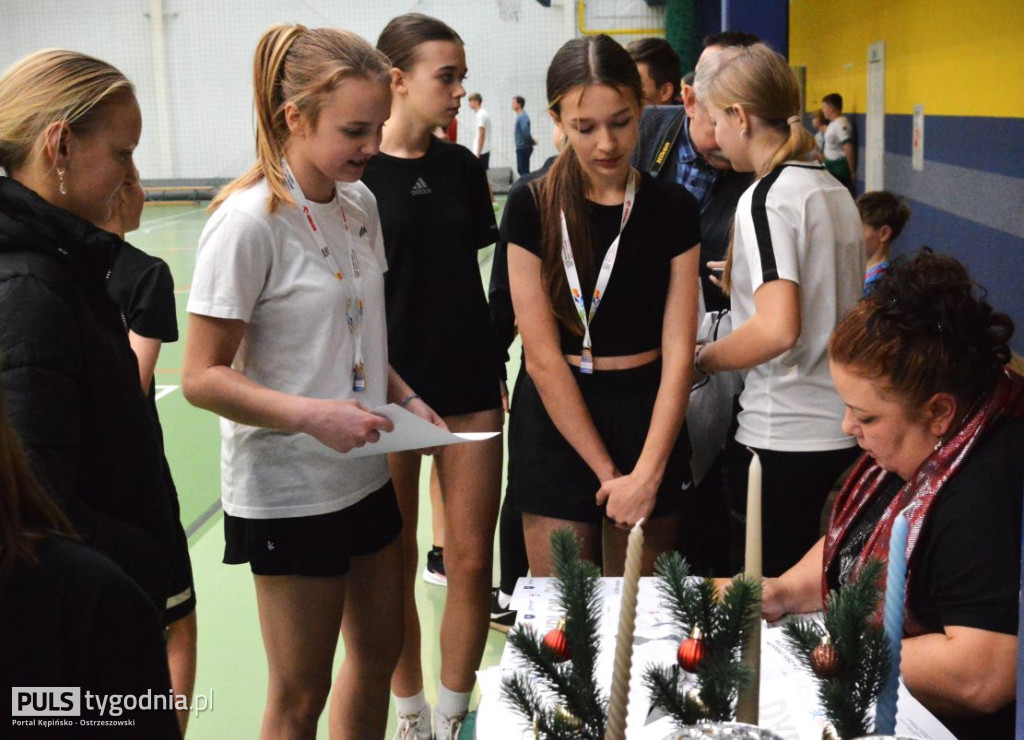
pixel 421 188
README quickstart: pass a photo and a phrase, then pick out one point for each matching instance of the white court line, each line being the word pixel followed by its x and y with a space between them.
pixel 165 221
pixel 165 390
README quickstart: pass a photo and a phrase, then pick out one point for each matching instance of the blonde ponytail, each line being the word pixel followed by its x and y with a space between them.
pixel 302 66
pixel 760 81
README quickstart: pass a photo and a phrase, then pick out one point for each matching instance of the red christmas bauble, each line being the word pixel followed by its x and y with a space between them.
pixel 557 643
pixel 692 652
pixel 825 659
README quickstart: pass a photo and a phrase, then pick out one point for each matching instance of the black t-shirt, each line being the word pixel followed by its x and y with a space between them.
pixel 499 297
pixel 716 220
pixel 664 224
pixel 143 289
pixel 965 570
pixel 76 619
pixel 436 213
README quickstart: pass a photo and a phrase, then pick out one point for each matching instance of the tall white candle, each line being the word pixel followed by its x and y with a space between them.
pixel 616 728
pixel 749 699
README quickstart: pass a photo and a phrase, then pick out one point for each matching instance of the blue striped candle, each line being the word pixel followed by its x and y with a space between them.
pixel 892 622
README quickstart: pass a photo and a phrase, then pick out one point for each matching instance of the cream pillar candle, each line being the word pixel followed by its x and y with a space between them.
pixel 616 728
pixel 749 699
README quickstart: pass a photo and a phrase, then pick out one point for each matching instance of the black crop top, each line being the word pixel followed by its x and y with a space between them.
pixel 665 223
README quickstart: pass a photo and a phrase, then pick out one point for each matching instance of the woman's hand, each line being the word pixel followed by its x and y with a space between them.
pixel 343 425
pixel 630 498
pixel 419 407
pixel 773 599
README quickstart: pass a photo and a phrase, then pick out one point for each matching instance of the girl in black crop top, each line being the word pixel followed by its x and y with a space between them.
pixel 585 446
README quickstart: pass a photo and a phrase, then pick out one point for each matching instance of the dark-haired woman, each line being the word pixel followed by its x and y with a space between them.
pixel 920 365
pixel 794 268
pixel 68 615
pixel 436 212
pixel 603 273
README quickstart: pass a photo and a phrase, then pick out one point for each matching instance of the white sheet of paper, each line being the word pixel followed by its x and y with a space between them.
pixel 412 433
pixel 789 704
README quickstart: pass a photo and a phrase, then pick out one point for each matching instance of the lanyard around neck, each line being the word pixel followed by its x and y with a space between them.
pixel 587 357
pixel 353 304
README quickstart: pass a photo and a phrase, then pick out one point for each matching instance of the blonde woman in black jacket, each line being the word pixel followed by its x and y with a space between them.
pixel 68 126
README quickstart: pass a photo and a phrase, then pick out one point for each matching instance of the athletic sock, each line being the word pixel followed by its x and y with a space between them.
pixel 452 703
pixel 411 704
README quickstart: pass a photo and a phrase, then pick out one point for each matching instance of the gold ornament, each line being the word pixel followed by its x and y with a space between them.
pixel 825 660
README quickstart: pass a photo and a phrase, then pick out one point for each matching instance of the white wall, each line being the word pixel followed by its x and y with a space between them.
pixel 209 57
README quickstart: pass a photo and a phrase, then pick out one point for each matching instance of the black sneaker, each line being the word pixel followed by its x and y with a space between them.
pixel 434 570
pixel 502 618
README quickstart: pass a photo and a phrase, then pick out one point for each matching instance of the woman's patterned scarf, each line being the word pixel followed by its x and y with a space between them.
pixel 919 493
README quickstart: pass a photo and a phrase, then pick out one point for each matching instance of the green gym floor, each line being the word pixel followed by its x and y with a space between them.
pixel 231 661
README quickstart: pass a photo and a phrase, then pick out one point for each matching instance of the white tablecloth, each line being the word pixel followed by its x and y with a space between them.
pixel 788 693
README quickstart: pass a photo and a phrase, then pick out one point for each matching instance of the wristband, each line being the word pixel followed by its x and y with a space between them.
pixel 696 362
pixel 407 400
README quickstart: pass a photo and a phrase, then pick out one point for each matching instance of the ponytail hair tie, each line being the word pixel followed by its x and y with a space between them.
pixel 793 119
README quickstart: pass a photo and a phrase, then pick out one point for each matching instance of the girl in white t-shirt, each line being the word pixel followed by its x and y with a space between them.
pixel 793 270
pixel 287 343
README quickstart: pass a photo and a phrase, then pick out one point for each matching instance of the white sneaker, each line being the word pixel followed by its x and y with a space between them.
pixel 447 728
pixel 414 726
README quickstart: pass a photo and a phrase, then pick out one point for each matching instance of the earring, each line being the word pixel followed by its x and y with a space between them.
pixel 938 444
pixel 60 176
pixel 744 134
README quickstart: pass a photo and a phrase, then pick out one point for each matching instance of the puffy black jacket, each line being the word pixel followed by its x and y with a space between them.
pixel 72 386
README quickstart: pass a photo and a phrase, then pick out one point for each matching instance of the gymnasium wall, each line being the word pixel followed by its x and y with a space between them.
pixel 963 62
pixel 208 130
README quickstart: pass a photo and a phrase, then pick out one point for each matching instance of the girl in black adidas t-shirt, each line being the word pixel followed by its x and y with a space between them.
pixel 436 213
pixel 595 428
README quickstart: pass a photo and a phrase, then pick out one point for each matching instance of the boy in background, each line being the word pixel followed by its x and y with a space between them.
pixel 883 215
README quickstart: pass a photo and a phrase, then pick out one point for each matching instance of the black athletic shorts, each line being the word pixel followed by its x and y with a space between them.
pixel 547 476
pixel 320 545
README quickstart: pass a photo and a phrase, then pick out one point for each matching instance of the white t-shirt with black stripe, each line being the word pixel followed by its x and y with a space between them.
pixel 797 223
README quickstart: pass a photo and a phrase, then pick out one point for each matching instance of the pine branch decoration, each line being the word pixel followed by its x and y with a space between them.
pixel 574 682
pixel 726 625
pixel 861 647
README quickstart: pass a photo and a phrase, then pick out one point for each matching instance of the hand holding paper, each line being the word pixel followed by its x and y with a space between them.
pixel 343 424
pixel 412 432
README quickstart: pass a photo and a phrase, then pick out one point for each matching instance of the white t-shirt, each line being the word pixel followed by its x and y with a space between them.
pixel 483 120
pixel 267 270
pixel 797 223
pixel 838 132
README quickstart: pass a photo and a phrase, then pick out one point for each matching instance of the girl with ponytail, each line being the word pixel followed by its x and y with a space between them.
pixel 287 342
pixel 603 273
pixel 794 268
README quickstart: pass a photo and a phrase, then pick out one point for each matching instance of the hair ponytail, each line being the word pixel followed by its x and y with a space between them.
pixel 302 66
pixel 271 128
pixel 563 190
pixel 760 81
pixel 798 145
